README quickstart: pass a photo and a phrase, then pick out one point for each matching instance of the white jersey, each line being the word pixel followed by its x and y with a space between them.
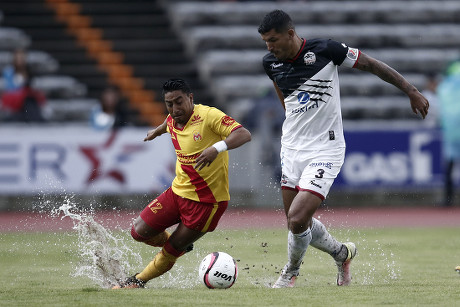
pixel 310 86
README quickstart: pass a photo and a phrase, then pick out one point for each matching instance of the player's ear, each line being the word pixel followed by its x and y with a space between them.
pixel 291 33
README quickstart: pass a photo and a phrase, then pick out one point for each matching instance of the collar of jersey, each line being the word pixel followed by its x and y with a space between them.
pixel 180 129
pixel 298 53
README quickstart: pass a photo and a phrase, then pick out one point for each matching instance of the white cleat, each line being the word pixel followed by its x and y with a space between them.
pixel 286 279
pixel 344 274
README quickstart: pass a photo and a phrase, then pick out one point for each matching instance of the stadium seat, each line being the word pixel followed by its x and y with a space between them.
pixel 213 63
pixel 73 109
pixel 56 86
pixel 416 38
pixel 202 38
pixel 40 62
pixel 192 13
pixel 13 38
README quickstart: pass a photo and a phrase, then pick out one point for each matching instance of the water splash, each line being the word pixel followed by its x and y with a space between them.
pixel 103 256
pixel 382 269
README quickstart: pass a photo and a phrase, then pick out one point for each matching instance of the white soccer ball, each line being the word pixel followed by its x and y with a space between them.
pixel 218 270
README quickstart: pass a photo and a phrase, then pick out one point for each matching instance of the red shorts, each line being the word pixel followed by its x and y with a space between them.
pixel 169 209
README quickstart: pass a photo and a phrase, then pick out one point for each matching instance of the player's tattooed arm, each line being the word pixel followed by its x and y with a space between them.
pixel 419 103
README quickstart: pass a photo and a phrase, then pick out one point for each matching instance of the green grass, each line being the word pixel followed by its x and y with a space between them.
pixel 398 267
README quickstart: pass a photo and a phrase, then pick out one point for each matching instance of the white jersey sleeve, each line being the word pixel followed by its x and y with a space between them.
pixel 351 58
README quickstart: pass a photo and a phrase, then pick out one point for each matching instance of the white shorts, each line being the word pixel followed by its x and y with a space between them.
pixel 312 171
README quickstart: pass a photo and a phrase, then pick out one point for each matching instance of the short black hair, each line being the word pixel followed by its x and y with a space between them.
pixel 278 20
pixel 176 84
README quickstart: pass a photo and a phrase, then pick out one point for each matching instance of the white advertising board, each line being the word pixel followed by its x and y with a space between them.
pixel 81 160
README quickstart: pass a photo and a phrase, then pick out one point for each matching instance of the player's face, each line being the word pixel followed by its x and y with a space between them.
pixel 280 44
pixel 179 106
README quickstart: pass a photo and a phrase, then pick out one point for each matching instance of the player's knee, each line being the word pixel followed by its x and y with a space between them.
pixel 297 224
pixel 136 236
pixel 296 227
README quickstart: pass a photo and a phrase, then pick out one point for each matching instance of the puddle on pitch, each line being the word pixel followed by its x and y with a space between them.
pixel 106 257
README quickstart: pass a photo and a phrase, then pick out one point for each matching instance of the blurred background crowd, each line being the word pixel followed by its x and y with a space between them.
pixel 99 65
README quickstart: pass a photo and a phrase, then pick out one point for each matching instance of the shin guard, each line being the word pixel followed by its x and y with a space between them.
pixel 161 264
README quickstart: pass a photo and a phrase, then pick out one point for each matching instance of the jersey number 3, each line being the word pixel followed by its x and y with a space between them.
pixel 320 173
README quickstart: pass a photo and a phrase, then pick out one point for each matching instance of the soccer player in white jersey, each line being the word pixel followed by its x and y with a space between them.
pixel 304 74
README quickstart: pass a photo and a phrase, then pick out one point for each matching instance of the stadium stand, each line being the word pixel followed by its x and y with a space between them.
pixel 60 89
pixel 126 43
pixel 416 37
pixel 215 46
pixel 141 30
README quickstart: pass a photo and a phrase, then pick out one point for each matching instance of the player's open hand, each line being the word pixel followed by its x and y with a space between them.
pixel 207 156
pixel 419 104
pixel 151 134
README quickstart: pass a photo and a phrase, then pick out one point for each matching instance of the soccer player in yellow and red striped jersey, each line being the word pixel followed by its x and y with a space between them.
pixel 199 193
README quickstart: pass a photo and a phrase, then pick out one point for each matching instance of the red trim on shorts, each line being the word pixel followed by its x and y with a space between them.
pixel 201 187
pixel 137 236
pixel 312 192
pixel 288 188
pixel 359 53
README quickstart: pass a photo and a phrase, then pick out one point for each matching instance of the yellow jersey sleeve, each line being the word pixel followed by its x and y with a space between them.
pixel 221 123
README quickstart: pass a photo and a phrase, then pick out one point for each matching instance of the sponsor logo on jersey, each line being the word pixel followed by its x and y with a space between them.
pixel 284 179
pixel 331 135
pixel 305 108
pixel 352 54
pixel 309 58
pixel 196 136
pixel 303 97
pixel 227 120
pixel 196 119
pixel 313 183
pixel 276 65
pixel 187 159
pixel 321 164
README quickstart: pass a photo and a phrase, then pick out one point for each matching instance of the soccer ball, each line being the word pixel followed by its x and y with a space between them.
pixel 218 270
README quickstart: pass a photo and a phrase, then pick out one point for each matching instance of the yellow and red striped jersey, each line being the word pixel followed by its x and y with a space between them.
pixel 206 126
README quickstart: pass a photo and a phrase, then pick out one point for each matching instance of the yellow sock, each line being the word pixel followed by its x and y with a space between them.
pixel 159 240
pixel 161 264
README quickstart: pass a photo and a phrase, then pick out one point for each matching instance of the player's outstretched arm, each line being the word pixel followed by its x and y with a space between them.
pixel 235 139
pixel 156 132
pixel 418 102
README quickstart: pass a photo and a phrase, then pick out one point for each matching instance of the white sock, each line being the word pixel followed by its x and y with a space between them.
pixel 297 246
pixel 322 240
